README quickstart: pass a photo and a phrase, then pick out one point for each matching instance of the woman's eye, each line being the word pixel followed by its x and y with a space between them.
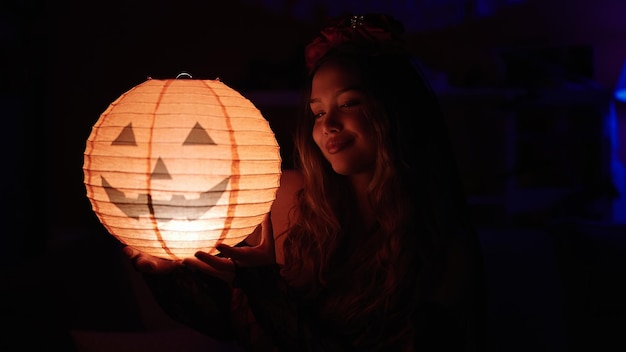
pixel 317 115
pixel 349 104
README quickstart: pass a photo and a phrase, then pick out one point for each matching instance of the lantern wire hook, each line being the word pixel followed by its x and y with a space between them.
pixel 185 74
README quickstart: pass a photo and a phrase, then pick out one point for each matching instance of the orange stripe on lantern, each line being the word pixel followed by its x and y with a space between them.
pixel 157 230
pixel 234 171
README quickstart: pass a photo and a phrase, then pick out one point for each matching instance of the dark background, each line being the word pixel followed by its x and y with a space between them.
pixel 526 87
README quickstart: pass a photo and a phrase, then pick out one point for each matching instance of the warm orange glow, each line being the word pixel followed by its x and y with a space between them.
pixel 180 165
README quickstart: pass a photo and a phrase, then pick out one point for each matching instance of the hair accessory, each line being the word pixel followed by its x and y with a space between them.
pixel 356 21
pixel 371 34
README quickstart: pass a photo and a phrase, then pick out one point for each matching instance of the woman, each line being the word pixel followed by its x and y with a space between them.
pixel 369 245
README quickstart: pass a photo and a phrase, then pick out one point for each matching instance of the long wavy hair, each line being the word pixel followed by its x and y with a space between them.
pixel 415 191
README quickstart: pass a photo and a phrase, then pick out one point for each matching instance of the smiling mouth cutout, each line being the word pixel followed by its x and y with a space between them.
pixel 144 205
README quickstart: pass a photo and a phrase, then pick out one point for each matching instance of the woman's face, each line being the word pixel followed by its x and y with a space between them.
pixel 341 130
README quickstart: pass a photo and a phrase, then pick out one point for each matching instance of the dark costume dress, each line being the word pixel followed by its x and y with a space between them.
pixel 262 313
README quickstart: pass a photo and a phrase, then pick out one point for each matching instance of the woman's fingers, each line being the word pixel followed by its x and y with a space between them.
pixel 219 263
pixel 147 263
pixel 130 252
pixel 261 254
pixel 220 267
pixel 229 251
pixel 225 264
pixel 245 256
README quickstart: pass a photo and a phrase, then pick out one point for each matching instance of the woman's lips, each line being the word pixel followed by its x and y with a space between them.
pixel 335 145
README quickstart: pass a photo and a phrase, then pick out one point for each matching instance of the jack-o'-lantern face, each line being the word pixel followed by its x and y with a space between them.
pixel 165 209
pixel 176 166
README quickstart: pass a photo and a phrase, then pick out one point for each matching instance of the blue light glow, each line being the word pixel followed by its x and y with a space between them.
pixel 620 94
pixel 618 171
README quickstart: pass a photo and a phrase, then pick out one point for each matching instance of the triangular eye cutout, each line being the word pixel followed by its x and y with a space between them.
pixel 160 171
pixel 126 137
pixel 198 135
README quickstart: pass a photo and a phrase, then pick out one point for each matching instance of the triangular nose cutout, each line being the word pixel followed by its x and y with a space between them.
pixel 160 171
pixel 198 135
pixel 126 137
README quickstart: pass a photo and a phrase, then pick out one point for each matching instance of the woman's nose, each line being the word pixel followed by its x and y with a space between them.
pixel 332 123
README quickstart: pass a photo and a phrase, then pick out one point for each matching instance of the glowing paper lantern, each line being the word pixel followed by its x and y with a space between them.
pixel 176 166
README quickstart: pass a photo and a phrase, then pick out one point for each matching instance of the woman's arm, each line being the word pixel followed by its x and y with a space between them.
pixel 282 212
pixel 198 299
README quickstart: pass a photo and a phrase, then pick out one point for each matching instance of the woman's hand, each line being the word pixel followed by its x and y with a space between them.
pixel 225 265
pixel 149 264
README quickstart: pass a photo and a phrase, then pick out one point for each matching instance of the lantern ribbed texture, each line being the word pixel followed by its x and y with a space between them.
pixel 180 165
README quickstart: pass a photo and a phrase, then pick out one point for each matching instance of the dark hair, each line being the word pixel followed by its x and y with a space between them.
pixel 416 192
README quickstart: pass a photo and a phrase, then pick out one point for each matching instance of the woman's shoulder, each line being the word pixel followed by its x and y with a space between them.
pixel 282 208
pixel 290 182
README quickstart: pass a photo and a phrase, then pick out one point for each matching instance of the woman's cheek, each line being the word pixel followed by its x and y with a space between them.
pixel 316 133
